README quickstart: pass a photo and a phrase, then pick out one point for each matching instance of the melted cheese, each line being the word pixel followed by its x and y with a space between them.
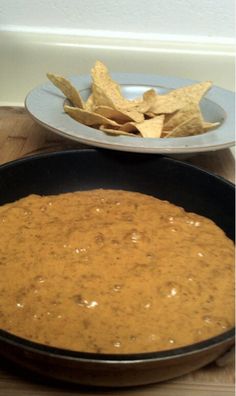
pixel 112 272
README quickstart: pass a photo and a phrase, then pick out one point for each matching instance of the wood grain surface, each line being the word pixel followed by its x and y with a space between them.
pixel 20 136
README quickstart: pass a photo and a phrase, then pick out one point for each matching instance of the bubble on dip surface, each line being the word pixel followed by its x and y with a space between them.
pixel 113 272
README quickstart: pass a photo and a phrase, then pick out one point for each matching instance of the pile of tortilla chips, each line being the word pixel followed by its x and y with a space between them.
pixel 174 114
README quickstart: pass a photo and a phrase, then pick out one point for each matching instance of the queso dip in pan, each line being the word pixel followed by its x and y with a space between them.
pixel 111 271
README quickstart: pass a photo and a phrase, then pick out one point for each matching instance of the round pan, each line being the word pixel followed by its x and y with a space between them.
pixel 182 184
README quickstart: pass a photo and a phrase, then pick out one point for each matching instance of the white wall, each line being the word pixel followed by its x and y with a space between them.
pixel 188 20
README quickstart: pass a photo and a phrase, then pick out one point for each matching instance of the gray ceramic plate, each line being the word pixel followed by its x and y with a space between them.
pixel 45 104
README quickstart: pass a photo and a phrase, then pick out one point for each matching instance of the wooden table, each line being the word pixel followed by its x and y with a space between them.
pixel 21 136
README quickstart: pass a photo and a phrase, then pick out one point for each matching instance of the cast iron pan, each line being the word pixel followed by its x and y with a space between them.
pixel 165 178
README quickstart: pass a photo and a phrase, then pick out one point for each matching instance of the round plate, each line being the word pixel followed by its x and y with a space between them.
pixel 45 104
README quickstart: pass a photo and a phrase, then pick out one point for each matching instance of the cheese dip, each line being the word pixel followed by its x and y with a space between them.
pixel 112 271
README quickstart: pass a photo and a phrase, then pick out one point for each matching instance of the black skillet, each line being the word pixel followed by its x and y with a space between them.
pixel 165 178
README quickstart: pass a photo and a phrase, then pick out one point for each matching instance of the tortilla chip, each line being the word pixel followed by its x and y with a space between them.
pixel 190 93
pixel 132 114
pixel 117 132
pixel 89 105
pixel 164 134
pixel 140 107
pixel 151 128
pixel 150 95
pixel 168 117
pixel 129 127
pixel 67 89
pixel 106 91
pixel 113 114
pixel 101 77
pixel 149 114
pixel 185 113
pixel 180 97
pixel 149 98
pixel 87 117
pixel 191 127
pixel 102 99
pixel 164 105
pixel 207 126
pixel 143 104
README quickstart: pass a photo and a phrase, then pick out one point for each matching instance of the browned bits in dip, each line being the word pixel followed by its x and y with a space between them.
pixel 113 272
